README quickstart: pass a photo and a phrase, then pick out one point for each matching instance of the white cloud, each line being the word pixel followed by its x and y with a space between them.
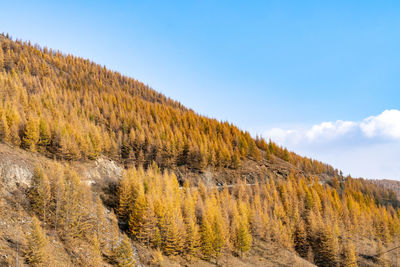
pixel 330 130
pixel 385 126
pixel 368 148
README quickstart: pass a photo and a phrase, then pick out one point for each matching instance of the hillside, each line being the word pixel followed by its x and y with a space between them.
pixel 99 169
pixel 71 108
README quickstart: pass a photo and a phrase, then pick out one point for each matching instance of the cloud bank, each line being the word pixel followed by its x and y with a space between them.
pixel 369 148
pixel 383 127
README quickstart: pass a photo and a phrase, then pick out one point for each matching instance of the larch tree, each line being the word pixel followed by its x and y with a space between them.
pixel 44 133
pixel 324 247
pixel 125 197
pixel 219 236
pixel 40 193
pixel 243 240
pixel 349 255
pixel 137 214
pixel 5 134
pixel 36 253
pixel 206 234
pixel 301 240
pixel 147 231
pixel 123 254
pixel 31 134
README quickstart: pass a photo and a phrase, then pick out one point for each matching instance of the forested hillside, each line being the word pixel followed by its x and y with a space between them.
pixel 59 112
pixel 72 109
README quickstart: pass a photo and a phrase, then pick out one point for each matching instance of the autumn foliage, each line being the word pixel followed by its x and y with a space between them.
pixel 70 108
pixel 300 214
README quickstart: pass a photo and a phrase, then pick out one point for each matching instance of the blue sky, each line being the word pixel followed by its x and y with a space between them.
pixel 270 67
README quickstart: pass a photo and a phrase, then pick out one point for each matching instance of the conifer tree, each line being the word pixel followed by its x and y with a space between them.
pixel 173 233
pixel 31 134
pixel 36 252
pixel 192 228
pixel 350 257
pixel 192 237
pixel 137 214
pixel 147 231
pixel 70 211
pixel 123 253
pixel 125 197
pixel 300 240
pixel 58 198
pixel 44 133
pixel 219 235
pixel 40 193
pixel 206 234
pixel 4 130
pixel 236 161
pixel 325 250
pixel 169 217
pixel 243 238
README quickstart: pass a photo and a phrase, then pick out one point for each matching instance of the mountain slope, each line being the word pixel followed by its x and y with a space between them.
pixel 107 162
pixel 72 109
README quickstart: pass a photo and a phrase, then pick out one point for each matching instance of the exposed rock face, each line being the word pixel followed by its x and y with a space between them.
pixel 16 169
pixel 15 174
pixel 103 169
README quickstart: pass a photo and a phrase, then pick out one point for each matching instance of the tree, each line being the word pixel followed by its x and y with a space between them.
pixel 44 133
pixel 72 207
pixel 192 237
pixel 173 233
pixel 350 256
pixel 324 247
pixel 123 253
pixel 243 238
pixel 300 240
pixel 40 193
pixel 147 231
pixel 137 214
pixel 125 197
pixel 36 252
pixel 5 135
pixel 206 234
pixel 192 228
pixel 31 134
pixel 218 234
pixel 236 161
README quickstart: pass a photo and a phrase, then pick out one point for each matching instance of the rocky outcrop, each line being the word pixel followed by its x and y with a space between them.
pixel 103 169
pixel 16 169
pixel 15 174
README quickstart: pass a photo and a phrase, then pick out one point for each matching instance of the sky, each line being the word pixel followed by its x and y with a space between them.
pixel 319 77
